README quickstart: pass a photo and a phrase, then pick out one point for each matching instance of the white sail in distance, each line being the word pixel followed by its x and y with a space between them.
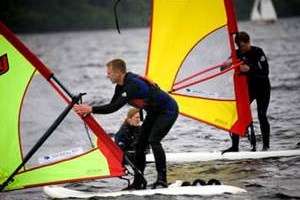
pixel 263 11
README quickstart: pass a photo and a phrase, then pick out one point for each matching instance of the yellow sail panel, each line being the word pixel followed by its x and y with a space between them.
pixel 176 27
pixel 207 109
pixel 81 168
pixel 13 85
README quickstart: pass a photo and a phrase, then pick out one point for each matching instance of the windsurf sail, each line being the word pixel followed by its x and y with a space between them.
pixel 263 10
pixel 31 97
pixel 192 55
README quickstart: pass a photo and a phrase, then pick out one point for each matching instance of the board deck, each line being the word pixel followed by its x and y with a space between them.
pixel 211 156
pixel 207 190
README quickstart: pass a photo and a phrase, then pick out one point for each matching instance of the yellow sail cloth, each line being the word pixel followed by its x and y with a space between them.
pixel 177 27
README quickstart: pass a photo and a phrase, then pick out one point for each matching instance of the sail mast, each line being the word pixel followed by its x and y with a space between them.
pixel 240 83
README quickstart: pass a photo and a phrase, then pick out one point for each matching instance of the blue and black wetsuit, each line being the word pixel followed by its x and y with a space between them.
pixel 162 112
pixel 259 88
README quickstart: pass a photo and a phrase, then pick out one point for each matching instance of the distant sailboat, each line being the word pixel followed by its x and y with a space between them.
pixel 263 11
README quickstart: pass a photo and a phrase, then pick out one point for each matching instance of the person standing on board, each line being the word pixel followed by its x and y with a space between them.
pixel 162 112
pixel 256 68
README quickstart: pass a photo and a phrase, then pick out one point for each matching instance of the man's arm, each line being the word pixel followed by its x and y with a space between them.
pixel 263 65
pixel 105 109
pixel 244 68
pixel 111 107
pixel 118 90
pixel 121 97
pixel 261 68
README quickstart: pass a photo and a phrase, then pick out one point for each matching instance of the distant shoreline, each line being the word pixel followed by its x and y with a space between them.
pixel 35 16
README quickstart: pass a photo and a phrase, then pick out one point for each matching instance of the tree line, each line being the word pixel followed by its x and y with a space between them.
pixel 65 15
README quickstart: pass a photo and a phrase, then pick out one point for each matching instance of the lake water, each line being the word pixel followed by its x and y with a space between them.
pixel 78 60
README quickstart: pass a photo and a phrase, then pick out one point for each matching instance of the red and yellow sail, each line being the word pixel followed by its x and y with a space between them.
pixel 192 55
pixel 24 80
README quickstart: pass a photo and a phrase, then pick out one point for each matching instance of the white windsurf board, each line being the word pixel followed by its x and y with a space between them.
pixel 207 190
pixel 211 156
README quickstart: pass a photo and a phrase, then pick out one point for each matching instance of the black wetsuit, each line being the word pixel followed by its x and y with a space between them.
pixel 125 138
pixel 162 112
pixel 259 88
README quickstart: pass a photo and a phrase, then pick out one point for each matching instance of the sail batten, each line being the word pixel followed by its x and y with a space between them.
pixel 198 73
pixel 192 55
pixel 206 78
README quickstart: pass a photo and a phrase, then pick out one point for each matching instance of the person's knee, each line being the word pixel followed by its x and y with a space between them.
pixel 262 117
pixel 140 148
pixel 155 144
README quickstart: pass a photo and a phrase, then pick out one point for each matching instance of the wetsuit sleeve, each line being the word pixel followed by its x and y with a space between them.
pixel 119 138
pixel 263 64
pixel 226 64
pixel 118 90
pixel 120 98
pixel 262 68
pixel 113 106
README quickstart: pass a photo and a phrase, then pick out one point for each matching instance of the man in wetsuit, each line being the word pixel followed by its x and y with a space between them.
pixel 162 112
pixel 256 68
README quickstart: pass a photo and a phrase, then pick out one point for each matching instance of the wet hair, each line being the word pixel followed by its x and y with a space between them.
pixel 131 112
pixel 242 36
pixel 117 64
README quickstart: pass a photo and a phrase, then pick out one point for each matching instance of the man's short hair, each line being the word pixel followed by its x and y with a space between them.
pixel 117 64
pixel 242 37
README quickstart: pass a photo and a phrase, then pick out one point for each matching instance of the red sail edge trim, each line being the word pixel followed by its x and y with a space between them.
pixel 240 81
pixel 10 36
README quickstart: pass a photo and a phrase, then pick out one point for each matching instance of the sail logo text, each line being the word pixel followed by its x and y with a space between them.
pixel 3 64
pixel 60 155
